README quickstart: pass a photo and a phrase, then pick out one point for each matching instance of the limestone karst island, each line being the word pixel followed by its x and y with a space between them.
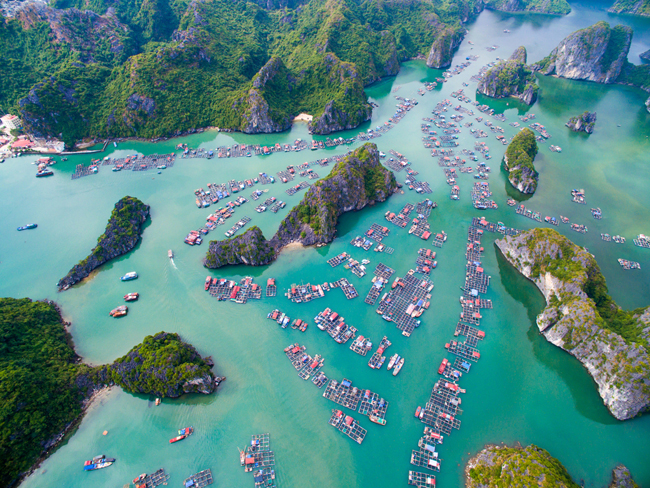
pixel 325 243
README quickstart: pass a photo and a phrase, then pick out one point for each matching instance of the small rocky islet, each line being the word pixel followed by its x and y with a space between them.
pixel 357 180
pixel 585 122
pixel 518 161
pixel 581 318
pixel 123 232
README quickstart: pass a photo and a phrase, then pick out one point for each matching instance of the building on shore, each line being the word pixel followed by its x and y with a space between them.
pixel 11 121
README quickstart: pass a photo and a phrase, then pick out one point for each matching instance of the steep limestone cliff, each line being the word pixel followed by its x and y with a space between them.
pixel 597 53
pixel 632 7
pixel 354 182
pixel 645 56
pixel 583 123
pixel 518 162
pixel 249 248
pixel 122 233
pixel 582 319
pixel 510 78
pixel 443 48
pixel 621 478
pixel 558 7
pixel 334 119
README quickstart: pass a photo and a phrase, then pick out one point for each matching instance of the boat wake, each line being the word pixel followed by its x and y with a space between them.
pixel 173 263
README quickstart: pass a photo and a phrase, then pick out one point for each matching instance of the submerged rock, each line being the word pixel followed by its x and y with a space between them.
pixel 122 233
pixel 583 123
pixel 443 48
pixel 580 317
pixel 518 161
pixel 510 78
pixel 597 53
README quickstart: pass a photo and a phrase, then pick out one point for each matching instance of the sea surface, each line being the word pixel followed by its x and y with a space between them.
pixel 523 389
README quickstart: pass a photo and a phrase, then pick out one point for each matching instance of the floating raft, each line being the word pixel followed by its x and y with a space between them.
pixel 348 426
pixel 199 480
pixel 348 288
pixel 421 480
pixel 338 260
pixel 258 454
pixel 424 207
pixel 305 293
pixel 305 365
pixel 402 218
pixel 155 479
pixel 642 241
pixel 407 300
pixel 343 393
pixel 425 458
pixel 463 350
pixel 373 404
pixel 295 189
pixel 271 289
pixel 361 345
pixel 362 242
pixel 472 334
pixel 223 289
pixel 332 323
pixel 377 232
pixel 377 359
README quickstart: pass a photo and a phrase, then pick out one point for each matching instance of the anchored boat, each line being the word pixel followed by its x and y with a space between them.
pixel 131 275
pixel 182 434
pixel 26 227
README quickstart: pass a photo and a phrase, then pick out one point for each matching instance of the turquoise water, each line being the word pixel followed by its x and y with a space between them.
pixel 523 389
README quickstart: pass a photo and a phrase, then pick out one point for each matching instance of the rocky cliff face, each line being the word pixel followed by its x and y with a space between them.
pixel 583 123
pixel 354 182
pixel 250 248
pixel 122 233
pixel 443 48
pixel 564 273
pixel 523 179
pixel 560 7
pixel 632 7
pixel 597 53
pixel 510 78
pixel 621 478
pixel 162 365
pixel 647 104
pixel 516 466
pixel 334 119
pixel 645 56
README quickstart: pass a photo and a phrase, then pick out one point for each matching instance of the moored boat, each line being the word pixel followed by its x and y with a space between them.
pixel 28 226
pixel 182 434
pixel 398 367
pixel 417 412
pixel 131 275
pixel 208 282
pixel 377 420
pixel 131 297
pixel 98 462
pixel 44 172
pixel 394 358
pixel 120 311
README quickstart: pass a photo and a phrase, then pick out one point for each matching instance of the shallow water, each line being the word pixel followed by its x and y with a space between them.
pixel 523 388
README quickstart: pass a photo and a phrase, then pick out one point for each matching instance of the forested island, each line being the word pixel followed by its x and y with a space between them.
pixel 531 466
pixel 557 7
pixel 518 161
pixel 510 78
pixel 45 386
pixel 359 179
pixel 581 318
pixel 123 232
pixel 632 7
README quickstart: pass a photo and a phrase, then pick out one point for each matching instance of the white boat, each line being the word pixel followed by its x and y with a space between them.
pixel 398 367
pixel 170 254
pixel 394 358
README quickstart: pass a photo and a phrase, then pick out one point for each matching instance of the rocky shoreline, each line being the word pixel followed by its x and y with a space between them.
pixel 583 123
pixel 123 232
pixel 354 182
pixel 564 273
pixel 518 162
pixel 510 78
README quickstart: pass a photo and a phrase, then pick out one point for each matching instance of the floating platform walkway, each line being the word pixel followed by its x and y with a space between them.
pixel 332 323
pixel 157 478
pixel 223 289
pixel 346 287
pixel 348 426
pixel 199 480
pixel 406 301
pixel 361 345
pixel 377 359
pixel 421 480
pixel 343 393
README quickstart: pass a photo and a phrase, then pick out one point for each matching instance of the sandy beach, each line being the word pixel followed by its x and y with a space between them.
pixel 304 118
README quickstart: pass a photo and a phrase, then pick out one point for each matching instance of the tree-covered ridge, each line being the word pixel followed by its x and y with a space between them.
pixel 123 231
pixel 38 397
pixel 249 248
pixel 43 383
pixel 510 78
pixel 634 7
pixel 170 66
pixel 519 159
pixel 515 467
pixel 559 7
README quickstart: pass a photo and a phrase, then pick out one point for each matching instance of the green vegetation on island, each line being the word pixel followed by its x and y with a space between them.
pixel 518 161
pixel 558 7
pixel 633 7
pixel 582 318
pixel 122 233
pixel 583 123
pixel 357 180
pixel 160 68
pixel 516 467
pixel 510 78
pixel 44 383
